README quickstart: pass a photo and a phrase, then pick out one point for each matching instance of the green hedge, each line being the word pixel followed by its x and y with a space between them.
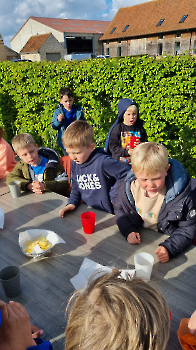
pixel 164 89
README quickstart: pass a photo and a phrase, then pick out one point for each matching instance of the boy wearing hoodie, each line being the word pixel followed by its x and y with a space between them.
pixel 93 171
pixel 157 194
pixel 127 124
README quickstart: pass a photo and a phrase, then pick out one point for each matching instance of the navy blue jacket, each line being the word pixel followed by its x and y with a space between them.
pixel 92 180
pixel 41 345
pixel 123 104
pixel 61 126
pixel 177 217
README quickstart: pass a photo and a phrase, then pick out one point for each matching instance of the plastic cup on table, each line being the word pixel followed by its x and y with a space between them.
pixel 143 265
pixel 88 221
pixel 10 280
pixel 15 189
pixel 134 141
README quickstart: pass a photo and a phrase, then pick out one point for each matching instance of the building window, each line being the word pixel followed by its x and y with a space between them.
pixel 183 19
pixel 125 28
pixel 107 51
pixel 112 31
pixel 178 34
pixel 160 22
pixel 160 49
pixel 119 51
pixel 160 36
pixel 177 48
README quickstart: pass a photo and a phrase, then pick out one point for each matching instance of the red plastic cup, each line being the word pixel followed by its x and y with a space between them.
pixel 134 141
pixel 88 221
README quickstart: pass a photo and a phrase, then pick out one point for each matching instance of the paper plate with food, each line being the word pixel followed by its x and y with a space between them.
pixel 35 243
pixel 187 340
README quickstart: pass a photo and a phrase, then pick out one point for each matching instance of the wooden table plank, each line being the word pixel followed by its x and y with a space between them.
pixel 45 283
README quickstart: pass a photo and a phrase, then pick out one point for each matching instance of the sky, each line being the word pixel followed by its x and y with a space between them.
pixel 14 13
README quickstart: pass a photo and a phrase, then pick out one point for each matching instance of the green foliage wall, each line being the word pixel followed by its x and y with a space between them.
pixel 164 89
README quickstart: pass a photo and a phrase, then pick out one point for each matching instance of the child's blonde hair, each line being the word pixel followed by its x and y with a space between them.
pixel 149 158
pixel 113 313
pixel 22 140
pixel 132 108
pixel 78 134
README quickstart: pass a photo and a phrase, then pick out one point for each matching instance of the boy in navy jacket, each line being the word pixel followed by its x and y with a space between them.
pixel 93 171
pixel 65 113
pixel 157 194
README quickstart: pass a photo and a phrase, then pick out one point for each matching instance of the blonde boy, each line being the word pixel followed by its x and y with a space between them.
pixel 113 313
pixel 93 171
pixel 158 195
pixel 38 168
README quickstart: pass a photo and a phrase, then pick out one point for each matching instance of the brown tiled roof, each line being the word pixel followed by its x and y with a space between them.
pixel 35 43
pixel 143 18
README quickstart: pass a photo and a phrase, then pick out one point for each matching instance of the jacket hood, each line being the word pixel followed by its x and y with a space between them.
pixel 94 155
pixel 176 180
pixel 123 104
pixel 51 155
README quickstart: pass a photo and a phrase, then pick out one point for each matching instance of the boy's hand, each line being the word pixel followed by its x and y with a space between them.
pixel 134 238
pixel 36 187
pixel 162 254
pixel 192 324
pixel 36 332
pixel 67 208
pixel 60 117
pixel 15 330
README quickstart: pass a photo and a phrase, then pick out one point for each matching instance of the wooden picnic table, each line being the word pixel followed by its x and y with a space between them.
pixel 45 282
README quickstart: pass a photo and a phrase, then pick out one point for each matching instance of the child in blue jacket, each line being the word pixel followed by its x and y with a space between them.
pixel 65 113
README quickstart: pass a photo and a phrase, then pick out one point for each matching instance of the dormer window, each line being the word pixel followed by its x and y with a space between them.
pixel 112 31
pixel 160 22
pixel 183 19
pixel 125 28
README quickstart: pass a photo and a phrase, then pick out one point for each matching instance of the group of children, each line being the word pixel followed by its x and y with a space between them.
pixel 142 187
pixel 152 191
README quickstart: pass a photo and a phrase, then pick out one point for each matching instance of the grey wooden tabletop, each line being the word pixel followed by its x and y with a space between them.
pixel 3 187
pixel 45 282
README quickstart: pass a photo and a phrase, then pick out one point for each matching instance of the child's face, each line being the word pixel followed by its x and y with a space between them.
pixel 130 116
pixel 29 155
pixel 80 154
pixel 67 102
pixel 152 183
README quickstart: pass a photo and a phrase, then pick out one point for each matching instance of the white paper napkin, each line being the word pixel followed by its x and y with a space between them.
pixel 89 267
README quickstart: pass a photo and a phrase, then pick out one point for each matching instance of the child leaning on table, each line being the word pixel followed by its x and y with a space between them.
pixel 157 194
pixel 127 124
pixel 93 171
pixel 113 313
pixel 65 113
pixel 39 169
pixel 7 160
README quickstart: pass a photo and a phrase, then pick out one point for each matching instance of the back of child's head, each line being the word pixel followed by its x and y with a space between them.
pixel 22 141
pixel 113 313
pixel 78 134
pixel 149 158
pixel 65 91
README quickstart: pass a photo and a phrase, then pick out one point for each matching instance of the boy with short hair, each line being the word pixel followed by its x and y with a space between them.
pixel 39 169
pixel 93 171
pixel 115 313
pixel 65 113
pixel 158 195
pixel 128 124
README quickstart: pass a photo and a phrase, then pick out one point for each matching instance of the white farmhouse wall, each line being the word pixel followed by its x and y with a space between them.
pixel 31 28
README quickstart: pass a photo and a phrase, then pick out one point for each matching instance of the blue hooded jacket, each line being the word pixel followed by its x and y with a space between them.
pixel 92 180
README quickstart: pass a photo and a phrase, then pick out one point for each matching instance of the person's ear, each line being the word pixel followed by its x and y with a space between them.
pixel 92 147
pixel 168 167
